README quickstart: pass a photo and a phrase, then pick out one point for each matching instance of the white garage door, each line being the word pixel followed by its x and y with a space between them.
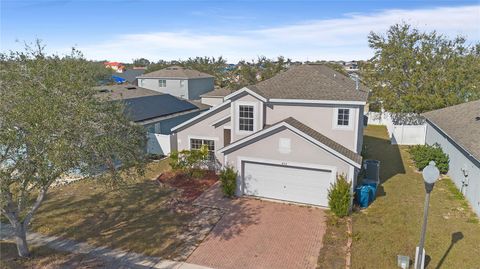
pixel 295 184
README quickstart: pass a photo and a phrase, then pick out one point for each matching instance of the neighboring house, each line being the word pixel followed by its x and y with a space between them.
pixel 115 66
pixel 156 111
pixel 128 76
pixel 178 81
pixel 214 97
pixel 457 130
pixel 288 137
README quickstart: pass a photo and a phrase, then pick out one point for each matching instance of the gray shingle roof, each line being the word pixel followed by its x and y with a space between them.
pixel 461 124
pixel 357 158
pixel 130 75
pixel 124 91
pixel 176 72
pixel 149 107
pixel 220 92
pixel 311 82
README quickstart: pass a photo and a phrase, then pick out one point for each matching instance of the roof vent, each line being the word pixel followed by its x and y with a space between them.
pixel 477 118
pixel 131 87
pixel 104 90
pixel 334 75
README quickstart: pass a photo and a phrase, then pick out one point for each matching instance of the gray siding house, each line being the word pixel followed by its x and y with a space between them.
pixel 156 111
pixel 178 81
pixel 288 137
pixel 457 130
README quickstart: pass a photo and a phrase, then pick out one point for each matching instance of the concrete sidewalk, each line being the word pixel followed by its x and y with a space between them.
pixel 115 258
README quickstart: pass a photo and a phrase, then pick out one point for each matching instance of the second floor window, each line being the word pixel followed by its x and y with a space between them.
pixel 245 118
pixel 343 118
pixel 162 83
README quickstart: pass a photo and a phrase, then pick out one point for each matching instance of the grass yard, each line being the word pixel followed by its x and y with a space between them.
pixel 133 217
pixel 332 254
pixel 391 225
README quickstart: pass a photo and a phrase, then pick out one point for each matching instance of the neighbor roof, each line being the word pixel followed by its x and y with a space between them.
pixel 461 123
pixel 176 72
pixel 149 107
pixel 220 92
pixel 130 75
pixel 336 147
pixel 311 82
pixel 124 91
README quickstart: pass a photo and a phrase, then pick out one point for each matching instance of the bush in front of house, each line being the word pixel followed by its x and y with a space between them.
pixel 189 161
pixel 228 179
pixel 423 154
pixel 339 196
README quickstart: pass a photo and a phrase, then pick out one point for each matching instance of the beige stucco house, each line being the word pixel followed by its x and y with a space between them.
pixel 288 137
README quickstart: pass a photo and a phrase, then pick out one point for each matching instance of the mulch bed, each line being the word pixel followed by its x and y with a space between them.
pixel 190 188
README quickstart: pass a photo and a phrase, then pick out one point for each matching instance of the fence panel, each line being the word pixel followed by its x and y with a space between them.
pixel 158 144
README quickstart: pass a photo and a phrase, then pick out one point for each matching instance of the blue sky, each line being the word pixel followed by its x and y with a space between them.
pixel 302 30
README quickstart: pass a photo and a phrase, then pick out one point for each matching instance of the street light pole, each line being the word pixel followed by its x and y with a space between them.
pixel 430 175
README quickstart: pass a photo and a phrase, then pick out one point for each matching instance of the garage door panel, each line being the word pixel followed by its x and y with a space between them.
pixel 297 184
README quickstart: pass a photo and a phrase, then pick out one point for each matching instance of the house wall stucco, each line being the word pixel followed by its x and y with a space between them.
pixel 320 117
pixel 183 88
pixel 205 129
pixel 199 86
pixel 458 160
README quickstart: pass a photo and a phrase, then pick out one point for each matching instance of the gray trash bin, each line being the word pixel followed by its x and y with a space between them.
pixel 372 170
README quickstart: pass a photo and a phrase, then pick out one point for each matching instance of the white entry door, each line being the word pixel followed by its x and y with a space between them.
pixel 294 184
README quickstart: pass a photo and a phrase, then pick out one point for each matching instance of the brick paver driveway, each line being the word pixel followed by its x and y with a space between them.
pixel 260 234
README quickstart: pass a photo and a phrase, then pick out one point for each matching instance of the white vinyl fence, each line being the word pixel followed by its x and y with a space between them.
pixel 158 144
pixel 403 130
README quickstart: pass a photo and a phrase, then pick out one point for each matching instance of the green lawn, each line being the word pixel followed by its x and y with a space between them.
pixel 132 217
pixel 391 225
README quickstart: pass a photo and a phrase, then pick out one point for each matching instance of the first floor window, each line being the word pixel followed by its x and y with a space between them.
pixel 245 118
pixel 162 83
pixel 196 144
pixel 343 117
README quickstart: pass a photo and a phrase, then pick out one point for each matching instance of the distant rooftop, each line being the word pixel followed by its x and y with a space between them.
pixel 176 71
pixel 124 91
pixel 220 92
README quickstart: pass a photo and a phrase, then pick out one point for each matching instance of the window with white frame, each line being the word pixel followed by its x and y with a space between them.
pixel 245 118
pixel 196 144
pixel 343 117
pixel 162 83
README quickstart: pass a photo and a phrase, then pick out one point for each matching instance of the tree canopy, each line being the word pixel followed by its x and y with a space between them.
pixel 52 125
pixel 414 71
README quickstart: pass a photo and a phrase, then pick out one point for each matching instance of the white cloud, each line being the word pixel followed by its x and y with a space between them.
pixel 342 38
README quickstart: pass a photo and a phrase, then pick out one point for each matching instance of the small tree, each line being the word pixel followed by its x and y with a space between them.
pixel 339 196
pixel 51 124
pixel 228 179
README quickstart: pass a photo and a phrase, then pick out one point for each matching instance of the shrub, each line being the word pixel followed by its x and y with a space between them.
pixel 189 161
pixel 339 196
pixel 423 154
pixel 228 179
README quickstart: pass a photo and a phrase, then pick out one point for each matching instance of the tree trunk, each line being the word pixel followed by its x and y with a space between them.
pixel 21 240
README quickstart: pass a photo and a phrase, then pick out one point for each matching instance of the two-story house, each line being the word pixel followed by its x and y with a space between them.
pixel 288 137
pixel 178 81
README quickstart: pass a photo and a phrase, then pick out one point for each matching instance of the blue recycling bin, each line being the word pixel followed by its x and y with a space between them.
pixel 362 194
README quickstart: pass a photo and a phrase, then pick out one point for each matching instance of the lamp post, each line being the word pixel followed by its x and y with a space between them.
pixel 430 176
